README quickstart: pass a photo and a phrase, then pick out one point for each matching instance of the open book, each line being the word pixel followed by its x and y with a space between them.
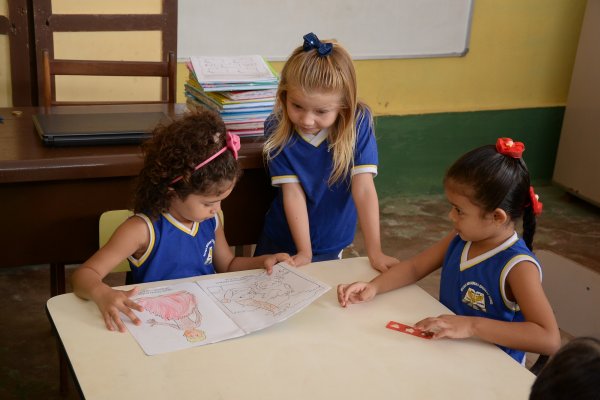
pixel 206 311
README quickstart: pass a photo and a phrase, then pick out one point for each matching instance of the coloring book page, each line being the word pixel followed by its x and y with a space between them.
pixel 196 313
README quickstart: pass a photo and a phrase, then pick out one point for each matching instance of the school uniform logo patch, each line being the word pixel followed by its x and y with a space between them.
pixel 476 296
pixel 208 252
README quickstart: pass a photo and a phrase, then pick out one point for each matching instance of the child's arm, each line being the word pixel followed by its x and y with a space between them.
pixel 404 273
pixel 129 238
pixel 367 206
pixel 539 333
pixel 296 213
pixel 225 261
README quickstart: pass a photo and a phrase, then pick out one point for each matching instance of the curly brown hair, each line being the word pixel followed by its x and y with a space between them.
pixel 174 150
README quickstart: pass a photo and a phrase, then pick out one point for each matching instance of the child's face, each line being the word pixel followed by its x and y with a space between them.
pixel 198 207
pixel 471 223
pixel 312 112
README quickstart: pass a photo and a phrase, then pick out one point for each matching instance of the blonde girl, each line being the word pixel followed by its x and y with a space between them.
pixel 322 155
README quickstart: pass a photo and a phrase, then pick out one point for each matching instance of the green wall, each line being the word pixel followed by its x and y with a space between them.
pixel 415 150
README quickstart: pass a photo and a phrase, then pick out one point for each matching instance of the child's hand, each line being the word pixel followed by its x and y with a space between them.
pixel 301 259
pixel 448 326
pixel 274 259
pixel 357 292
pixel 110 302
pixel 382 262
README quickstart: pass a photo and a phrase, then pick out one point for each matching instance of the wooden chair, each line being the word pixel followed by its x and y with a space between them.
pixel 52 67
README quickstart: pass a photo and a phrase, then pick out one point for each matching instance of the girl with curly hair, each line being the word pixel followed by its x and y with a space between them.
pixel 190 166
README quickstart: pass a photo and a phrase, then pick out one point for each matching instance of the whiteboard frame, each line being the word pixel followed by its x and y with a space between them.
pixel 210 34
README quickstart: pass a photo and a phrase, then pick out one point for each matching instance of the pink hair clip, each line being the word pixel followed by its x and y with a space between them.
pixel 232 144
pixel 508 147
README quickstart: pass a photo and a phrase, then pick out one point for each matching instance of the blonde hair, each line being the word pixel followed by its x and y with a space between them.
pixel 310 72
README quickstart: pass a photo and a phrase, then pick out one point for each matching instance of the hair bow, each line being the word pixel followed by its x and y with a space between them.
pixel 536 204
pixel 311 41
pixel 510 148
pixel 233 144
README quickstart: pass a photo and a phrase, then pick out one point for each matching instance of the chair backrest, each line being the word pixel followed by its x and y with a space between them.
pixel 109 221
pixel 52 67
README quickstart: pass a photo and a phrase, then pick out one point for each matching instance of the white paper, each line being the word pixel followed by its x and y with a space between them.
pixel 231 69
pixel 196 313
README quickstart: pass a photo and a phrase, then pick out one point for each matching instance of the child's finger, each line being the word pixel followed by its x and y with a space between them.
pixel 131 315
pixel 132 292
pixel 108 322
pixel 424 323
pixel 431 324
pixel 340 295
pixel 351 294
pixel 269 268
pixel 381 267
pixel 120 325
pixel 133 305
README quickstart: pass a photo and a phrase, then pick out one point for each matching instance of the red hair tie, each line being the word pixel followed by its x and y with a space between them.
pixel 508 147
pixel 536 204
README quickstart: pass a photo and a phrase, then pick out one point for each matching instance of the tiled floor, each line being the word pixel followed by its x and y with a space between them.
pixel 28 358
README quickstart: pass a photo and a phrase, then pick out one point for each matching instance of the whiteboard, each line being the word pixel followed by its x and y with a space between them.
pixel 369 29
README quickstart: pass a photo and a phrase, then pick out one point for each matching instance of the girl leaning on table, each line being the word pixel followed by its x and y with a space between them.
pixel 321 153
pixel 490 278
pixel 190 166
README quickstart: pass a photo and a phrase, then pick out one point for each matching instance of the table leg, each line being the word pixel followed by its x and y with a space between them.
pixel 57 279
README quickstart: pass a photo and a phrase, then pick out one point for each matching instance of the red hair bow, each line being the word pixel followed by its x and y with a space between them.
pixel 510 148
pixel 536 204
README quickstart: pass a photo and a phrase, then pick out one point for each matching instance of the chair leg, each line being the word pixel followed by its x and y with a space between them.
pixel 57 286
pixel 57 279
pixel 63 373
pixel 539 364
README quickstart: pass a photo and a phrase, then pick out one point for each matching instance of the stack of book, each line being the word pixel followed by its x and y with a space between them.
pixel 241 89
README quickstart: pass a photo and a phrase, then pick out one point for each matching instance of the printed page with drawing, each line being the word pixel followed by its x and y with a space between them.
pixel 222 307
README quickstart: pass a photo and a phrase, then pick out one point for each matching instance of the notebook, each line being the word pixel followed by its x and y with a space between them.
pixel 96 129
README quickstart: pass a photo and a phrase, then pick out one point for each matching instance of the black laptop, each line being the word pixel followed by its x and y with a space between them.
pixel 96 129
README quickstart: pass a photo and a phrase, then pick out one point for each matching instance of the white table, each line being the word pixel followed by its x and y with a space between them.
pixel 323 352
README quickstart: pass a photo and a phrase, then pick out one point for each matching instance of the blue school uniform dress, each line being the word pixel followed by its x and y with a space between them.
pixel 331 211
pixel 476 287
pixel 174 250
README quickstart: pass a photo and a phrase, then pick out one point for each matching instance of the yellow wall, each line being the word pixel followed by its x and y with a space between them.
pixel 521 55
pixel 5 86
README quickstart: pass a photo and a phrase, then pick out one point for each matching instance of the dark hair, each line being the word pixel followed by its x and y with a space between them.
pixel 174 150
pixel 495 181
pixel 572 373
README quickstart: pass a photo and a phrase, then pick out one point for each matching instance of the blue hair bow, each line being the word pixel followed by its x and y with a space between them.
pixel 311 41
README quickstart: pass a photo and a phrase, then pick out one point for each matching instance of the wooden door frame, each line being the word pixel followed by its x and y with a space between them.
pixel 19 28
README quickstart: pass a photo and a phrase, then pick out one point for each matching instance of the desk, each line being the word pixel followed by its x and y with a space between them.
pixel 52 198
pixel 323 352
